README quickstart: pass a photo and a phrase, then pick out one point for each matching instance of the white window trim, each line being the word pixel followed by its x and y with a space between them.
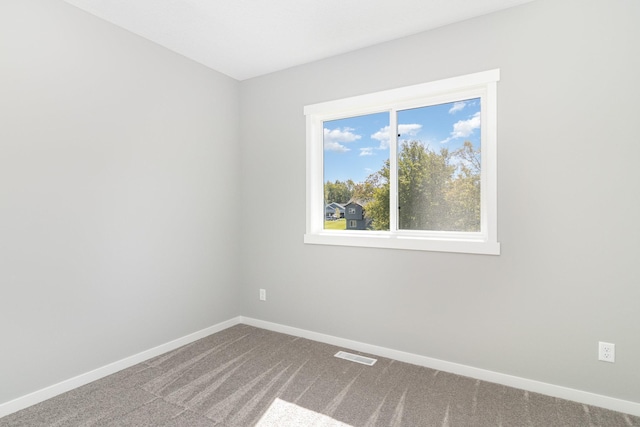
pixel 483 85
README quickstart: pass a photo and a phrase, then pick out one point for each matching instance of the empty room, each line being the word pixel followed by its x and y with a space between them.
pixel 331 213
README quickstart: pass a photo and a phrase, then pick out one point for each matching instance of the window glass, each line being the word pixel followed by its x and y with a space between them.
pixel 356 149
pixel 439 167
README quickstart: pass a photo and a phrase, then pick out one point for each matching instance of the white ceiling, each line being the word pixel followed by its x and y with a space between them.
pixel 249 38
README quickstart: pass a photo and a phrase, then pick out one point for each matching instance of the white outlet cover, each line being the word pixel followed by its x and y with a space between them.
pixel 606 352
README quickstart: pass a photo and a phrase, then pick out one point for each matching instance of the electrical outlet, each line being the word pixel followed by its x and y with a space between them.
pixel 263 294
pixel 606 352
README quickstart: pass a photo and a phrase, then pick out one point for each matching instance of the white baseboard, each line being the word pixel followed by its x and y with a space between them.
pixel 580 396
pixel 82 379
pixel 625 406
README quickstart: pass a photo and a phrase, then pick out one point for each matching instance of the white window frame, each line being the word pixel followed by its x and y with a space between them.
pixel 481 85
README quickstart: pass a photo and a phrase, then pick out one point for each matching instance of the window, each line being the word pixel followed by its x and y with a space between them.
pixel 419 160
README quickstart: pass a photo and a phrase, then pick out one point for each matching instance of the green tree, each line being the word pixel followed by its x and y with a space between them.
pixel 363 192
pixel 338 191
pixel 463 194
pixel 436 190
pixel 377 208
pixel 423 176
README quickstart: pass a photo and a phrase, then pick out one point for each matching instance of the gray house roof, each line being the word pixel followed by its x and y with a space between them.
pixel 332 207
pixel 356 202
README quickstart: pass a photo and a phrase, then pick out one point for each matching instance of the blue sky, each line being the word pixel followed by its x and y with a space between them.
pixel 356 147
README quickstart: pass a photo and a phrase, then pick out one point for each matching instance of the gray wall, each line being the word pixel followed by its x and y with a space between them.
pixel 569 203
pixel 118 162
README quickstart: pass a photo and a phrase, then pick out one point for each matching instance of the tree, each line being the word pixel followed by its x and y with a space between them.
pixel 377 209
pixel 437 191
pixel 463 194
pixel 423 176
pixel 338 191
pixel 463 200
pixel 363 192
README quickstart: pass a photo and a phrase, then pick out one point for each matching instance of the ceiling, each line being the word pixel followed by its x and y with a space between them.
pixel 249 38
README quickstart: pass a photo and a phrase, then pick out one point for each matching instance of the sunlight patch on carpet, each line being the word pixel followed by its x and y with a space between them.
pixel 281 413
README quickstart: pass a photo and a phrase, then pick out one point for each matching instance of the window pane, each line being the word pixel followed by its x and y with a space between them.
pixel 356 173
pixel 439 167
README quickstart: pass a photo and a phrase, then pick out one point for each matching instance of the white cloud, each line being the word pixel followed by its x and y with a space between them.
pixel 366 151
pixel 335 146
pixel 409 130
pixel 457 106
pixel 383 134
pixel 464 128
pixel 335 139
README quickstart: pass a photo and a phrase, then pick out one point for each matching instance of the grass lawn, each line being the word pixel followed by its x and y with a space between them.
pixel 339 224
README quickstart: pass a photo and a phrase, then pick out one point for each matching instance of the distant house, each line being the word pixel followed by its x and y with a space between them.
pixel 333 211
pixel 354 214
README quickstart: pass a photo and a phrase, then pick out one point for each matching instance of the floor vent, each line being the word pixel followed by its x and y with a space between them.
pixel 356 358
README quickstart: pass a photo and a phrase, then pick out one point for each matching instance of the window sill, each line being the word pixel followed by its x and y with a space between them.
pixel 407 242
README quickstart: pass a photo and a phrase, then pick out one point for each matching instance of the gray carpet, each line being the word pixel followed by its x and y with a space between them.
pixel 246 376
